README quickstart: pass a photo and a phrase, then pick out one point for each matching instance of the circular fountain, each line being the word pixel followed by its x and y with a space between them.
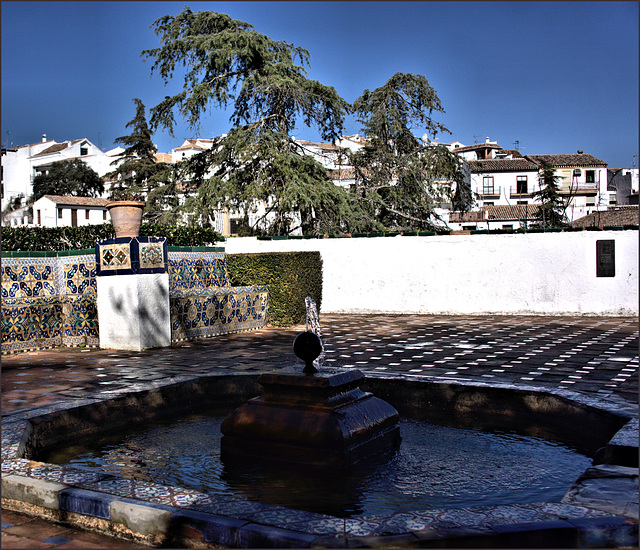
pixel 316 417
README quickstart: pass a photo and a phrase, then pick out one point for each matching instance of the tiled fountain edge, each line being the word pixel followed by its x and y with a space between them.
pixel 34 484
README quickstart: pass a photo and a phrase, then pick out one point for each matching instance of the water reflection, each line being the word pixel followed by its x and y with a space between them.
pixel 436 466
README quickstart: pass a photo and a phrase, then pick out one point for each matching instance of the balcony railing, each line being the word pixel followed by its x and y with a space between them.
pixel 487 192
pixel 580 187
pixel 515 192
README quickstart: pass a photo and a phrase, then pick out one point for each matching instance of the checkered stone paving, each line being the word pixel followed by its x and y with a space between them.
pixel 593 357
pixel 582 354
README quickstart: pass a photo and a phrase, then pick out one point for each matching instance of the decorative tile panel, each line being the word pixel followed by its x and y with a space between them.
pixel 77 276
pixel 151 255
pixel 129 256
pixel 194 271
pixel 218 311
pixel 114 256
pixel 24 278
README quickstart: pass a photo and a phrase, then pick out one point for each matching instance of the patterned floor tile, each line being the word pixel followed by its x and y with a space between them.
pixel 144 490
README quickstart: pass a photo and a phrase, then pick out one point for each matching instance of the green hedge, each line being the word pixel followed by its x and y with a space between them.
pixel 291 277
pixel 72 238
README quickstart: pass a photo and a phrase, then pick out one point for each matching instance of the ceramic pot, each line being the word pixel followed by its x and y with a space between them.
pixel 126 217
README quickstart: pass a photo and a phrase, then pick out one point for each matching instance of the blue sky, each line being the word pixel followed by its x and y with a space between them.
pixel 555 76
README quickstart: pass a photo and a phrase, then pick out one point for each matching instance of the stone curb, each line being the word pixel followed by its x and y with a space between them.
pixel 37 492
pixel 158 522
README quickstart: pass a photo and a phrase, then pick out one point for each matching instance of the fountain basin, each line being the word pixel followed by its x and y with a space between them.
pixel 321 420
pixel 225 521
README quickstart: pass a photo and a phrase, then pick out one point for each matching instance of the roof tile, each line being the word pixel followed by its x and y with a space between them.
pixel 502 165
pixel 620 215
pixel 579 159
pixel 76 201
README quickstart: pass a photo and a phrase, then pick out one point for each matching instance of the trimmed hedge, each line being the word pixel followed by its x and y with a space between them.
pixel 291 276
pixel 72 238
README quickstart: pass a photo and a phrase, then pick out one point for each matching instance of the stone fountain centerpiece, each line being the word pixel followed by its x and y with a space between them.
pixel 314 417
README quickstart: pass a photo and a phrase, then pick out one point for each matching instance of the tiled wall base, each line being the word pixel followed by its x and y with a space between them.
pixel 48 302
pixel 220 310
pixel 51 301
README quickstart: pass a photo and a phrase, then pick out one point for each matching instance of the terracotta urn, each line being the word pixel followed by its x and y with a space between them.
pixel 126 217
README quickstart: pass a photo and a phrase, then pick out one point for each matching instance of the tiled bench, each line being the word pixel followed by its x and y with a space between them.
pixel 49 300
pixel 203 302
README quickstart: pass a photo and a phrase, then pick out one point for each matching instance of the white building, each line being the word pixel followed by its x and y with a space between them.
pixel 57 211
pixel 335 157
pixel 583 181
pixel 20 165
pixel 503 181
pixel 189 148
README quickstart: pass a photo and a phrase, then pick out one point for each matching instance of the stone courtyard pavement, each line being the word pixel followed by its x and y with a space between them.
pixel 585 354
pixel 592 355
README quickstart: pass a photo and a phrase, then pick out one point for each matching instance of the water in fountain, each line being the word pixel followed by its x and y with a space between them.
pixel 313 325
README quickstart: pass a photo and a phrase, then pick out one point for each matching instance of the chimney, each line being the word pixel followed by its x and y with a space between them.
pixel 44 138
pixel 580 151
pixel 487 139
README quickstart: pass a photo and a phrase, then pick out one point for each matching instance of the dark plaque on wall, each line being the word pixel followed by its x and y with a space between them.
pixel 606 258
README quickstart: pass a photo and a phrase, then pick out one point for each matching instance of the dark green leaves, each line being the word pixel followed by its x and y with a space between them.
pixel 138 172
pixel 552 209
pixel 399 181
pixel 255 169
pixel 68 178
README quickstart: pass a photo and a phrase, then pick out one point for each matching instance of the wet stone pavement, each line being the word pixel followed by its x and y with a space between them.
pixel 583 354
pixel 591 355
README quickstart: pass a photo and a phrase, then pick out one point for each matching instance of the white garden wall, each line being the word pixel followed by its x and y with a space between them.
pixel 535 273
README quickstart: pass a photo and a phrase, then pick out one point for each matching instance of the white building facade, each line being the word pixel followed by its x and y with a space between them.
pixel 20 165
pixel 583 181
pixel 57 211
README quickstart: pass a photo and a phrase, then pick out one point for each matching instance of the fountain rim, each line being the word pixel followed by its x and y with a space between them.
pixel 279 532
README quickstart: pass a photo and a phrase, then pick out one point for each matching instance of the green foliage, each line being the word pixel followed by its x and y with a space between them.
pixel 552 208
pixel 138 176
pixel 294 187
pixel 398 180
pixel 291 276
pixel 74 238
pixel 225 61
pixel 68 178
pixel 54 238
pixel 257 163
pixel 181 235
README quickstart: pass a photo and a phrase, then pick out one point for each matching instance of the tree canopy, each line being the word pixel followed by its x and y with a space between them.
pixel 138 172
pixel 68 178
pixel 399 180
pixel 552 209
pixel 226 62
pixel 258 170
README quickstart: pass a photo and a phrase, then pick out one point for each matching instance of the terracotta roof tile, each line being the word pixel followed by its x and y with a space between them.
pixel 164 157
pixel 319 145
pixel 501 165
pixel 37 143
pixel 53 149
pixel 477 146
pixel 579 159
pixel 191 146
pixel 620 215
pixel 76 201
pixel 511 211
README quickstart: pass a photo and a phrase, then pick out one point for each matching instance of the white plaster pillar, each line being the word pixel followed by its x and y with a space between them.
pixel 133 311
pixel 133 293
